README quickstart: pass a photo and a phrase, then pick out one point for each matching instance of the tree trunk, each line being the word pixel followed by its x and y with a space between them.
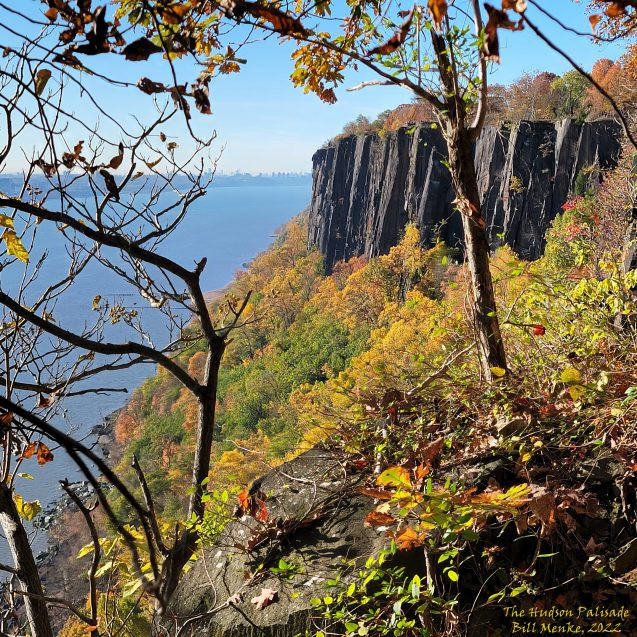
pixel 185 547
pixel 485 318
pixel 27 571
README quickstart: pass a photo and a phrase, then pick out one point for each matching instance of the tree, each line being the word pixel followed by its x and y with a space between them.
pixel 101 221
pixel 570 92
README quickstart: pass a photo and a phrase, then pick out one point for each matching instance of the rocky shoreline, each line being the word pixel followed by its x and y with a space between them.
pixel 102 435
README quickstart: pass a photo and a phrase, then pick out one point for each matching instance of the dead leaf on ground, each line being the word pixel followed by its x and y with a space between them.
pixel 266 597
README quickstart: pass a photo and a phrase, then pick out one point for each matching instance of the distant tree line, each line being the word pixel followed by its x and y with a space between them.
pixel 534 96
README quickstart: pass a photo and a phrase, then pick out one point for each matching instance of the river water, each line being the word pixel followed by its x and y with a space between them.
pixel 229 226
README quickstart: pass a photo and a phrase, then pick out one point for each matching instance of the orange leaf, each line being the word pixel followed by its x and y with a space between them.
pixel 44 454
pixel 594 19
pixel 438 10
pixel 244 500
pixel 29 450
pixel 408 539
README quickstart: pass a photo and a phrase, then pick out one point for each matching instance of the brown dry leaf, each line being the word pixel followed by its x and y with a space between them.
pixel 266 597
pixel 152 164
pixel 543 506
pixel 396 40
pixel 438 11
pixel 498 19
pixel 116 162
pixel 376 518
pixel 281 22
pixel 149 87
pixel 6 418
pixel 432 450
pixel 46 401
pixel 567 519
pixel 44 454
pixel 592 548
pixel 594 20
pixel 111 184
pixel 522 523
pixel 140 50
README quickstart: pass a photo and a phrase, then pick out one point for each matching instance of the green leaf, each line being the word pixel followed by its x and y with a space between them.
pixel 453 576
pixel 26 476
pixel 131 587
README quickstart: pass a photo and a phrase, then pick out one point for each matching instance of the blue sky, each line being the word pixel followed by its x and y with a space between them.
pixel 266 125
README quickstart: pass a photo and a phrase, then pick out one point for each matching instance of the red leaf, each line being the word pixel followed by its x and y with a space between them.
pixel 538 330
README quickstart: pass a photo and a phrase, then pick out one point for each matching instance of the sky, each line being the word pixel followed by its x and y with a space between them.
pixel 264 124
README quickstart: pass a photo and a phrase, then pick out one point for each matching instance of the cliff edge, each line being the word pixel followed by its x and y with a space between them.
pixel 367 188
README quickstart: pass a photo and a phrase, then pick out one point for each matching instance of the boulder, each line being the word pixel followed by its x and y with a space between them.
pixel 314 525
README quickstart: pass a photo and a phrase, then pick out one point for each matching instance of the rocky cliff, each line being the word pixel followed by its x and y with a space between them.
pixel 367 188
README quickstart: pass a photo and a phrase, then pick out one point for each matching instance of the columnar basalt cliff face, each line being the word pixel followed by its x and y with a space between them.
pixel 367 188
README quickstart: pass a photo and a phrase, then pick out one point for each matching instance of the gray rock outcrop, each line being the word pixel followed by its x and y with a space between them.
pixel 367 188
pixel 314 524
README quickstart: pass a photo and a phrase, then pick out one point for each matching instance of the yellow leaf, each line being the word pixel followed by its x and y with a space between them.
pixel 570 375
pixel 394 477
pixel 26 510
pixel 499 372
pixel 6 222
pixel 576 392
pixel 41 79
pixel 15 246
